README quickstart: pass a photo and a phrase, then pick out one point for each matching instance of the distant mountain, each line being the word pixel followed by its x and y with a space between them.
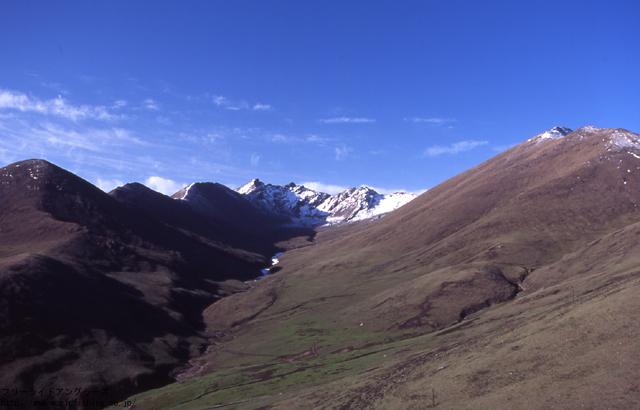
pixel 552 133
pixel 303 206
pixel 226 206
pixel 356 204
pixel 295 203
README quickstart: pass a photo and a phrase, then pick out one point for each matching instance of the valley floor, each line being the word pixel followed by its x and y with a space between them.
pixel 570 345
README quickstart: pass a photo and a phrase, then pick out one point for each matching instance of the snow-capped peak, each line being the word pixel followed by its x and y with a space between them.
pixel 308 207
pixel 619 139
pixel 250 186
pixel 552 133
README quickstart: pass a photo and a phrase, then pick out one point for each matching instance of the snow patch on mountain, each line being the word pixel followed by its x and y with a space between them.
pixel 614 139
pixel 621 139
pixel 551 134
pixel 295 202
pixel 183 193
pixel 388 203
pixel 250 186
pixel 304 206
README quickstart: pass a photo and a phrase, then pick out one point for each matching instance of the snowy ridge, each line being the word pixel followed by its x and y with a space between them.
pixel 388 203
pixel 551 134
pixel 185 191
pixel 304 206
pixel 615 139
pixel 621 139
pixel 295 202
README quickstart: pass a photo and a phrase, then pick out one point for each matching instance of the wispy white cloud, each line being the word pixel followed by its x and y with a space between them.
pixel 108 185
pixel 316 139
pixel 206 138
pixel 282 138
pixel 500 148
pixel 120 104
pixel 254 159
pixel 223 102
pixel 151 104
pixel 455 148
pixel 237 105
pixel 58 107
pixel 86 146
pixel 341 152
pixel 322 187
pixel 91 139
pixel 220 100
pixel 101 150
pixel 347 120
pixel 262 107
pixel 431 120
pixel 163 185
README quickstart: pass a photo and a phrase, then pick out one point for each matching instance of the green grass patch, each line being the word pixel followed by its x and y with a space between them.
pixel 260 382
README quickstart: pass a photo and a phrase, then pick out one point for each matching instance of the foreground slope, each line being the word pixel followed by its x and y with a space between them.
pixel 105 291
pixel 511 285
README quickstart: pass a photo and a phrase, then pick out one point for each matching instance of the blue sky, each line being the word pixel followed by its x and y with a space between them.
pixel 392 94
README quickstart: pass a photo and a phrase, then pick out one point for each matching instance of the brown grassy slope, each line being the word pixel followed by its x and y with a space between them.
pixel 569 344
pixel 495 235
pixel 521 210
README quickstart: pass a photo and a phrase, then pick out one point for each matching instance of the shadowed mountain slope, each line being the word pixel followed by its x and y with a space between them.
pixel 510 285
pixel 106 291
pixel 218 214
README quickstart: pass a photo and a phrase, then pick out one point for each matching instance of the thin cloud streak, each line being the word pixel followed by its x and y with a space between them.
pixel 455 148
pixel 109 153
pixel 347 120
pixel 238 105
pixel 262 107
pixel 58 107
pixel 151 104
pixel 431 120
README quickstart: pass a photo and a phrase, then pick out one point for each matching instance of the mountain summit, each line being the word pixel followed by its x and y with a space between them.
pixel 552 133
pixel 304 206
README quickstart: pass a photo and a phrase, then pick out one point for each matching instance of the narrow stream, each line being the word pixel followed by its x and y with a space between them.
pixel 274 261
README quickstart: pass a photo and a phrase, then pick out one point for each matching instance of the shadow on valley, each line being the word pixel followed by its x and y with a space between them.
pixel 106 291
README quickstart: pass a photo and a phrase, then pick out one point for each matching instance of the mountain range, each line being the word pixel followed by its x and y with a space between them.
pixel 120 280
pixel 513 284
pixel 303 206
